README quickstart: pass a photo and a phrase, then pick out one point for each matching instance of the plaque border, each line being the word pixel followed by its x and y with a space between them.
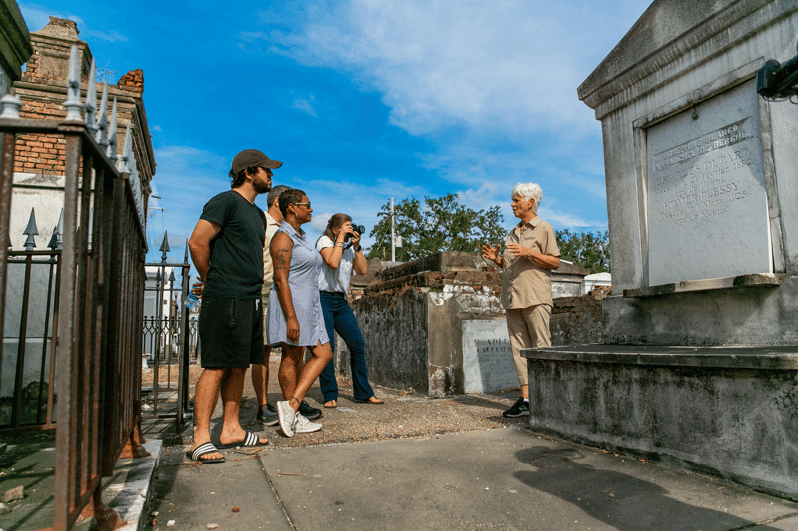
pixel 686 102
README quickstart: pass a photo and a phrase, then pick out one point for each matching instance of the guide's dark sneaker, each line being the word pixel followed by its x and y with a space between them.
pixel 519 409
pixel 309 412
pixel 268 415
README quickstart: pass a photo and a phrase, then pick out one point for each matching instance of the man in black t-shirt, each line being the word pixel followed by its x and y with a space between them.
pixel 227 250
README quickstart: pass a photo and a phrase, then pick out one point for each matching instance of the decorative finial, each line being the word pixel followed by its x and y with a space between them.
pixel 110 152
pixel 11 105
pixel 31 231
pixel 102 122
pixel 127 151
pixel 73 105
pixel 91 101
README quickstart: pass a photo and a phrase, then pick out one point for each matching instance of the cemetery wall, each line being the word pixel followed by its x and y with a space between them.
pixel 440 333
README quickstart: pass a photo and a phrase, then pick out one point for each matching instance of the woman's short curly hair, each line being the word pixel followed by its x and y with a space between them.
pixel 529 191
pixel 289 197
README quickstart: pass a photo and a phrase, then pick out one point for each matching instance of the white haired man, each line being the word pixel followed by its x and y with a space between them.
pixel 530 254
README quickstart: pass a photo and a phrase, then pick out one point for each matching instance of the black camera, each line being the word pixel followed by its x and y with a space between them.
pixel 360 229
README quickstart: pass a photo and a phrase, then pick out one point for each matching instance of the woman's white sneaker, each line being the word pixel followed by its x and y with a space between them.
pixel 303 425
pixel 287 417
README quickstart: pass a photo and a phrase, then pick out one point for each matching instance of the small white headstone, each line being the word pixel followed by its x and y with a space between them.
pixel 487 357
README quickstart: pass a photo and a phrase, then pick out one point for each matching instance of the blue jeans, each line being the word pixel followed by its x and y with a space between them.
pixel 339 317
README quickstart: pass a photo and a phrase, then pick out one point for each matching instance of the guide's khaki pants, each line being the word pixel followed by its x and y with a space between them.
pixel 528 328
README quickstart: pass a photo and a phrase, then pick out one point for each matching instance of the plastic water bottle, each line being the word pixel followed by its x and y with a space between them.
pixel 191 301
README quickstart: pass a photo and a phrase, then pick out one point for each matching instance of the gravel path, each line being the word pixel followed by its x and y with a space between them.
pixel 403 415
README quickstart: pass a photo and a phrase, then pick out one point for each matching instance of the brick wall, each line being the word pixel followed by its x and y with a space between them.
pixel 42 90
pixel 578 320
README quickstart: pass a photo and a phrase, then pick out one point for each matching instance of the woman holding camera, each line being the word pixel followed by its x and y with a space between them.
pixel 340 249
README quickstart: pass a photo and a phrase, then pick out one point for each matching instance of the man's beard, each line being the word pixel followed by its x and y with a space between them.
pixel 261 186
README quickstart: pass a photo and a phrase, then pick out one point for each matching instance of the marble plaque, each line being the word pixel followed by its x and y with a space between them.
pixel 487 358
pixel 707 203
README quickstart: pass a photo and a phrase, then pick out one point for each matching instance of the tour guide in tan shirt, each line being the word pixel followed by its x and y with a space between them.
pixel 531 253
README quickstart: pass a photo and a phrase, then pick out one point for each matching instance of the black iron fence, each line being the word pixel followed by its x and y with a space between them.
pixel 169 333
pixel 94 317
pixel 30 333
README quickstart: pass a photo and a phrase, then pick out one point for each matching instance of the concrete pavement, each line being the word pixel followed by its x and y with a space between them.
pixel 450 463
pixel 413 463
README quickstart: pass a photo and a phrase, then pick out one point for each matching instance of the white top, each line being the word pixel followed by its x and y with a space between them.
pixel 336 280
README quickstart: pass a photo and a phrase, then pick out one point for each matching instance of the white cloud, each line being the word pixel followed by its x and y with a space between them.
pixel 567 220
pixel 306 104
pixel 37 17
pixel 488 66
pixel 113 36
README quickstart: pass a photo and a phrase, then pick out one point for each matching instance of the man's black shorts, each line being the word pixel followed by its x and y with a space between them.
pixel 231 332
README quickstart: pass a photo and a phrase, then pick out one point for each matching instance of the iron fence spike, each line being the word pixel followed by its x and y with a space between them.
pixel 127 150
pixel 110 152
pixel 91 100
pixel 172 277
pixel 59 228
pixel 59 231
pixel 102 119
pixel 73 105
pixel 53 244
pixel 165 243
pixel 31 229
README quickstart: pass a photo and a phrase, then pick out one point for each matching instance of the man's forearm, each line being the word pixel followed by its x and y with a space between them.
pixel 201 257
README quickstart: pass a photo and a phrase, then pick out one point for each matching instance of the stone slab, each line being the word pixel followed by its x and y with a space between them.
pixel 742 281
pixel 729 412
pixel 707 199
pixel 757 358
pixel 128 490
pixel 764 315
pixel 234 495
pixel 487 358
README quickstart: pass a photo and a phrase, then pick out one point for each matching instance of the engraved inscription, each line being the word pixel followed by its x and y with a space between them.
pixel 487 358
pixel 696 179
pixel 489 351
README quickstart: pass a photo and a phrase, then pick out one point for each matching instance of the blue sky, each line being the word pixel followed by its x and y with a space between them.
pixel 364 100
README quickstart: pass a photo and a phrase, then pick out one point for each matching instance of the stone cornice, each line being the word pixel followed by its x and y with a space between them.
pixel 650 53
pixel 15 45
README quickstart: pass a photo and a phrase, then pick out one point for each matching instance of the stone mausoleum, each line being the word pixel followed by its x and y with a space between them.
pixel 699 366
pixel 38 183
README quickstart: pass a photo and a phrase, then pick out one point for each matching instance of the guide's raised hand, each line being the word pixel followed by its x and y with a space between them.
pixel 490 252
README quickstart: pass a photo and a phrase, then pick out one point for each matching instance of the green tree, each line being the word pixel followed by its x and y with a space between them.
pixel 585 249
pixel 440 224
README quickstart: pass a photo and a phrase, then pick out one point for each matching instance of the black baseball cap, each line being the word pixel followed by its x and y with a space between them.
pixel 251 158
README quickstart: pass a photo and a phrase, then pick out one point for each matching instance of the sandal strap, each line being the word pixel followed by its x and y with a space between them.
pixel 202 449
